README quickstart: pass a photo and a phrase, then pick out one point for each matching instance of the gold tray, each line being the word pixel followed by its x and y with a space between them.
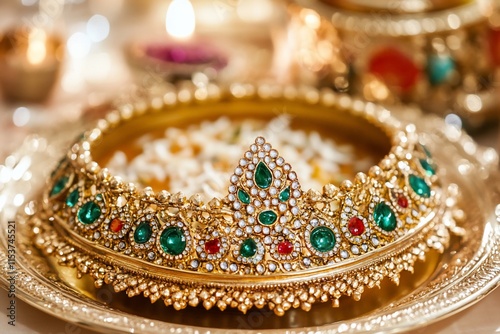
pixel 469 269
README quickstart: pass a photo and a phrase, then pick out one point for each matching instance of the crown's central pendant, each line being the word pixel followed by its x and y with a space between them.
pixel 265 196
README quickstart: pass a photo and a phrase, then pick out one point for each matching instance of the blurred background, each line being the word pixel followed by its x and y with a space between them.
pixel 64 60
pixel 60 60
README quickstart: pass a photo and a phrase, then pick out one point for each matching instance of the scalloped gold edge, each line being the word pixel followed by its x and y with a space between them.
pixel 278 297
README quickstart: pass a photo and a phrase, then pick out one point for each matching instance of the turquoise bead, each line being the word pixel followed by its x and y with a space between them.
pixel 439 68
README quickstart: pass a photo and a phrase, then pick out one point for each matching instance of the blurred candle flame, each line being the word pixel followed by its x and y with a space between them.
pixel 37 49
pixel 180 21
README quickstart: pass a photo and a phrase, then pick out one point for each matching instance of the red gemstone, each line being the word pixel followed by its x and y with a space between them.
pixel 494 46
pixel 395 68
pixel 356 226
pixel 402 201
pixel 285 247
pixel 116 225
pixel 212 246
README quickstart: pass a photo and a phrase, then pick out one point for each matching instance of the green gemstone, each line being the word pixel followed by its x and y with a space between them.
pixel 429 168
pixel 72 198
pixel 89 213
pixel 59 186
pixel 243 196
pixel 322 239
pixel 419 186
pixel 248 248
pixel 143 233
pixel 267 217
pixel 263 176
pixel 384 217
pixel 173 240
pixel 285 195
pixel 440 68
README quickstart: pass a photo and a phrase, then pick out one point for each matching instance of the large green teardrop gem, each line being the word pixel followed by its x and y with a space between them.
pixel 322 239
pixel 173 240
pixel 143 233
pixel 384 217
pixel 248 248
pixel 267 217
pixel 243 196
pixel 285 195
pixel 263 176
pixel 419 186
pixel 89 213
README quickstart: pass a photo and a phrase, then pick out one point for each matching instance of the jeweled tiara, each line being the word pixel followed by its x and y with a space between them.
pixel 267 242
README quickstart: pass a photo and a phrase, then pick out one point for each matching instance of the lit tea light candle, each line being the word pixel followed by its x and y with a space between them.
pixel 29 64
pixel 180 21
pixel 183 54
pixel 37 50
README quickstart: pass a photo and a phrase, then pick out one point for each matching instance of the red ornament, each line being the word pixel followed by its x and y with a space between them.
pixel 356 226
pixel 494 46
pixel 402 201
pixel 116 225
pixel 395 68
pixel 285 248
pixel 212 246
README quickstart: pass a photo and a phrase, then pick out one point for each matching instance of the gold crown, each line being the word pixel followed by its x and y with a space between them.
pixel 267 242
